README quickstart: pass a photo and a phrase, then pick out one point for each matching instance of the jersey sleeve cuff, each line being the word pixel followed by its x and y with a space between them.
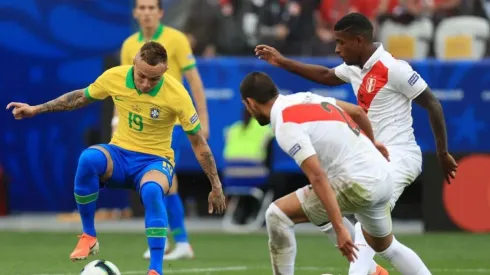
pixel 186 68
pixel 195 130
pixel 87 94
pixel 415 95
pixel 300 159
pixel 340 76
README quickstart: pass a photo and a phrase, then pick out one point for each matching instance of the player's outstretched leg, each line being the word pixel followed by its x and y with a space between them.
pixel 364 263
pixel 403 259
pixel 92 164
pixel 365 256
pixel 282 242
pixel 176 215
pixel 377 229
pixel 155 224
pixel 280 217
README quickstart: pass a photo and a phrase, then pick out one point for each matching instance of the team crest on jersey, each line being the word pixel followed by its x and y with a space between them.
pixel 154 112
pixel 371 84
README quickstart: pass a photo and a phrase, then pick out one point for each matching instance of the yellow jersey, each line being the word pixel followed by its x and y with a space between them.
pixel 179 51
pixel 146 120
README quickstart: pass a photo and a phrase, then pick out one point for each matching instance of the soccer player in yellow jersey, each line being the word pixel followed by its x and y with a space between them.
pixel 139 155
pixel 181 62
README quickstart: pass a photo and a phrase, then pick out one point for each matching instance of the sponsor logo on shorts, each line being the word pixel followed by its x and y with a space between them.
pixel 295 149
pixel 413 79
pixel 194 118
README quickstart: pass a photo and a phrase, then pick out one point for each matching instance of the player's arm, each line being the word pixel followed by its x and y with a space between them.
pixel 197 90
pixel 361 119
pixel 316 73
pixel 319 181
pixel 437 122
pixel 187 64
pixel 359 116
pixel 67 102
pixel 412 85
pixel 429 102
pixel 216 198
pixel 190 123
pixel 293 140
pixel 205 157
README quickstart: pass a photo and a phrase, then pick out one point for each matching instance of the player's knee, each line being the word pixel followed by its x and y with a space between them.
pixel 378 240
pixel 274 216
pixel 151 194
pixel 92 161
pixel 279 228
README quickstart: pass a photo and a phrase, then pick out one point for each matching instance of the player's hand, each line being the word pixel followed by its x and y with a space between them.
pixel 216 201
pixel 269 54
pixel 22 110
pixel 448 165
pixel 382 149
pixel 345 244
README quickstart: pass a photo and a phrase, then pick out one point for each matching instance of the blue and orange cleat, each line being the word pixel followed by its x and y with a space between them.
pixel 380 271
pixel 87 245
pixel 152 272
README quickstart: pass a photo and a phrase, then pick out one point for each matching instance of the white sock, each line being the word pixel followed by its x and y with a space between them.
pixel 404 259
pixel 364 262
pixel 328 229
pixel 282 242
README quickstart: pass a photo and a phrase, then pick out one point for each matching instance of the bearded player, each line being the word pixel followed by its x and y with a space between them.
pixel 181 63
pixel 347 174
pixel 385 88
pixel 139 155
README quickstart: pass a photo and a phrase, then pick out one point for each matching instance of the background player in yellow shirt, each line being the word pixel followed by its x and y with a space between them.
pixel 181 62
pixel 139 155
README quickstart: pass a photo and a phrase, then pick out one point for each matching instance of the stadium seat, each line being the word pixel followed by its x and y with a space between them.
pixel 461 38
pixel 245 179
pixel 410 41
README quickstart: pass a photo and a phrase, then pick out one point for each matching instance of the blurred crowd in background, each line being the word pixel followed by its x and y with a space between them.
pixel 305 27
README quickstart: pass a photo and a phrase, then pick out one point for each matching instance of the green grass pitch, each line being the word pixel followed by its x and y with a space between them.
pixel 34 253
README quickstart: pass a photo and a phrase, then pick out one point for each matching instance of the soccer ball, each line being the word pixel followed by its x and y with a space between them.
pixel 100 267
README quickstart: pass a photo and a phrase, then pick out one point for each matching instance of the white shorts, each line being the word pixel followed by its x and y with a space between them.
pixel 375 215
pixel 406 166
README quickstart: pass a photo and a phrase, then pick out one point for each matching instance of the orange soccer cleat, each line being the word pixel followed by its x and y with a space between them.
pixel 153 272
pixel 380 271
pixel 87 245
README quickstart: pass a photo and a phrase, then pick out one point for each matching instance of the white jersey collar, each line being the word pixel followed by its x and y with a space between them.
pixel 374 57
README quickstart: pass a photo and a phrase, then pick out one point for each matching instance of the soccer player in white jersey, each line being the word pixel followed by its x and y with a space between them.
pixel 385 88
pixel 346 171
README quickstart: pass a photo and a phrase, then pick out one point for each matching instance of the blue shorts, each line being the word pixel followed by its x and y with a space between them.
pixel 177 136
pixel 130 167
